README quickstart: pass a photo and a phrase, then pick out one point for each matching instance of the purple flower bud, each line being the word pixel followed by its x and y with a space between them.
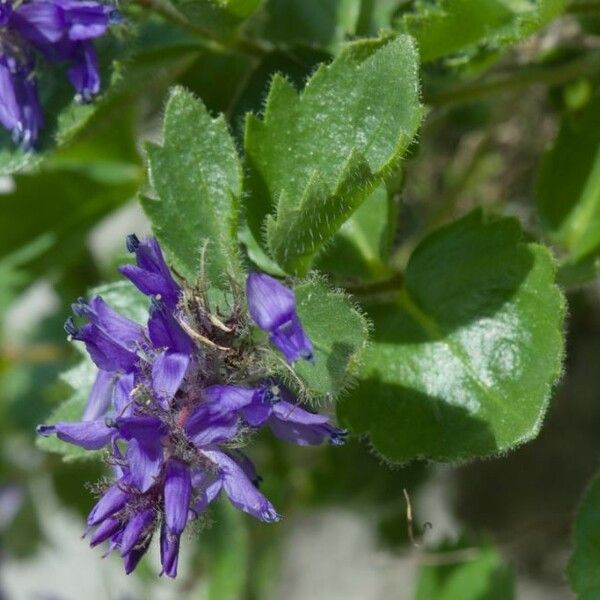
pixel 84 73
pixel 105 530
pixel 113 500
pixel 20 111
pixel 131 560
pixel 151 275
pixel 169 551
pixel 273 308
pixel 136 529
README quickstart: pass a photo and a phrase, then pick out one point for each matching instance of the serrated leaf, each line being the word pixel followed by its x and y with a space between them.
pixel 483 576
pixel 317 155
pixel 465 356
pixel 125 299
pixel 361 247
pixel 568 188
pixel 582 570
pixel 196 176
pixel 449 26
pixel 339 336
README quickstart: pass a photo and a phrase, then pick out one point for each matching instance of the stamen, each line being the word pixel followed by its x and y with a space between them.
pixel 132 242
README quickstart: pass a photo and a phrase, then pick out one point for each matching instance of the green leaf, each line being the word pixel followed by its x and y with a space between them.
pixel 196 176
pixel 338 332
pixel 323 24
pixel 568 187
pixel 317 155
pixel 449 26
pixel 481 575
pixel 582 570
pixel 126 299
pixel 59 208
pixel 361 248
pixel 465 356
pixel 240 8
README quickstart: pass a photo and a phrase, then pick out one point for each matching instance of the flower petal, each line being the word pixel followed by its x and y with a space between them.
pixel 270 303
pixel 241 491
pixel 91 435
pixel 135 530
pixel 169 552
pixel 178 491
pixel 145 462
pixel 165 331
pixel 291 339
pixel 100 397
pixel 113 500
pixel 168 371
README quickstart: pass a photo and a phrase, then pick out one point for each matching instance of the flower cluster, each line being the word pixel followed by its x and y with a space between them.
pixel 174 401
pixel 59 31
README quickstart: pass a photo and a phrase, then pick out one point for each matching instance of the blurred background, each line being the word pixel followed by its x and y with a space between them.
pixel 345 534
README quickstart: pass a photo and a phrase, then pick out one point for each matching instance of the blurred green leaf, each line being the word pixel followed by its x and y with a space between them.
pixel 465 356
pixel 582 570
pixel 323 24
pixel 445 27
pixel 317 155
pixel 477 573
pixel 240 8
pixel 568 189
pixel 339 336
pixel 196 176
pixel 227 548
pixel 56 208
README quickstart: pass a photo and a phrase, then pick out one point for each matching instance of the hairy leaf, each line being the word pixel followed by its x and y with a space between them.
pixel 465 356
pixel 196 177
pixel 338 332
pixel 317 155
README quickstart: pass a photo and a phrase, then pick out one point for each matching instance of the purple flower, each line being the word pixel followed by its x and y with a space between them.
pixel 273 308
pixel 20 110
pixel 61 31
pixel 173 401
pixel 151 276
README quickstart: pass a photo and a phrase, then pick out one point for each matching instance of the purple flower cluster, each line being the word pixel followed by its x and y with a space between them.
pixel 59 31
pixel 173 402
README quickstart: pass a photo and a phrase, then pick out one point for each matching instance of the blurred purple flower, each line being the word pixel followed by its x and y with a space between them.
pixel 59 30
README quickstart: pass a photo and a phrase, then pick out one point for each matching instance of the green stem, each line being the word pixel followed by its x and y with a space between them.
pixel 384 286
pixel 587 65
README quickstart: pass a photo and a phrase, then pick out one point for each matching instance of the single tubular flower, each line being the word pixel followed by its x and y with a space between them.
pixel 273 308
pixel 174 401
pixel 60 31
